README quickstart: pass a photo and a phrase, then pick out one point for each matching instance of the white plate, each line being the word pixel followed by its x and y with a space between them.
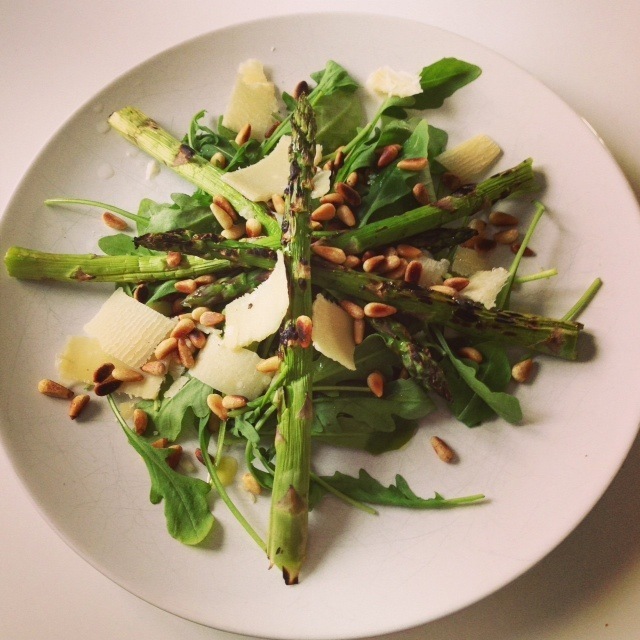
pixel 365 575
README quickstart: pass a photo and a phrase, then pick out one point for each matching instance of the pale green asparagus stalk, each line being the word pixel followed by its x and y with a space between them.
pixel 287 539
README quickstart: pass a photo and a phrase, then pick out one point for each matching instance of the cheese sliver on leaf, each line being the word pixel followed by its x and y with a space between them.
pixel 259 181
pixel 127 329
pixel 321 183
pixel 230 371
pixel 470 158
pixel 82 355
pixel 387 82
pixel 333 332
pixel 253 101
pixel 258 314
pixel 484 286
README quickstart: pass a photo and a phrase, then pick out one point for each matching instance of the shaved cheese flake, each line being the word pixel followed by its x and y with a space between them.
pixel 470 158
pixel 128 330
pixel 387 82
pixel 258 314
pixel 484 286
pixel 433 271
pixel 468 261
pixel 253 101
pixel 321 183
pixel 333 332
pixel 230 371
pixel 148 388
pixel 259 181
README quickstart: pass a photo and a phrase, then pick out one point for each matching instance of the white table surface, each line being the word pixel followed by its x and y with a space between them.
pixel 55 55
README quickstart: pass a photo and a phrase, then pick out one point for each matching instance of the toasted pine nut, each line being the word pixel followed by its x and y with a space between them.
pixel 197 338
pixel 351 262
pixel 270 365
pixel 508 236
pixel 349 194
pixel 253 228
pixel 388 155
pixel 234 402
pixel 329 165
pixel 199 456
pixel 106 387
pixel 457 282
pixel 103 372
pixel 477 225
pixel 186 286
pixel 207 278
pixel 440 288
pixel 502 219
pixel 352 179
pixel 373 263
pixel 345 215
pixel 185 354
pixel 126 375
pixel 214 402
pixel 333 198
pixel 251 485
pixel 451 181
pixel 226 206
pixel 160 443
pixel 483 244
pixel 413 272
pixel 527 253
pixel 223 218
pixel 196 314
pixel 54 389
pixel 379 310
pixel 114 222
pixel 174 457
pixel 219 160
pixel 235 233
pixel 174 258
pixel 421 193
pixel 141 293
pixel 367 254
pixel 78 403
pixel 278 204
pixel 399 272
pixel 243 135
pixel 391 262
pixel 272 129
pixel 300 88
pixel 375 382
pixel 211 318
pixel 358 331
pixel 390 251
pixel 183 328
pixel 154 368
pixel 470 353
pixel 330 254
pixel 412 164
pixel 140 421
pixel 353 309
pixel 304 328
pixel 166 347
pixel 409 252
pixel 324 212
pixel 442 449
pixel 177 307
pixel 521 371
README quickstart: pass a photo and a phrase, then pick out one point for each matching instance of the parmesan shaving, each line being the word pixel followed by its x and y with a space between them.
pixel 470 158
pixel 433 271
pixel 321 183
pixel 387 82
pixel 333 332
pixel 484 286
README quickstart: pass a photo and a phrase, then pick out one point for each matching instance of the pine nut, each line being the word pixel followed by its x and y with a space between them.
pixel 253 228
pixel 358 331
pixel 502 219
pixel 413 272
pixel 232 402
pixel 477 225
pixel 226 206
pixel 183 328
pixel 154 368
pixel 199 456
pixel 270 365
pixel 278 204
pixel 349 194
pixel 442 449
pixel 451 181
pixel 114 222
pixel 388 155
pixel 141 293
pixel 186 286
pixel 483 244
pixel 329 165
pixel 207 278
pixel 409 252
pixel 421 193
pixel 77 405
pixel 235 233
pixel 219 160
pixel 338 159
pixel 332 198
pixel 391 262
pixel 351 262
pixel 106 387
pixel 223 218
pixel 324 212
pixel 353 309
pixel 173 459
pixel 527 253
pixel 330 254
pixel 300 88
pixel 375 382
pixel 214 402
pixel 185 355
pixel 379 310
pixel 140 421
pixel 126 375
pixel 470 353
pixel 243 135
pixel 304 328
pixel 509 236
pixel 458 283
pixel 196 314
pixel 173 259
pixel 272 129
pixel 160 443
pixel 367 254
pixel 54 389
pixel 390 251
pixel 521 371
pixel 166 347
pixel 251 485
pixel 352 179
pixel 103 372
pixel 373 263
pixel 399 272
pixel 440 288
pixel 177 307
pixel 345 215
pixel 413 164
pixel 211 318
pixel 197 338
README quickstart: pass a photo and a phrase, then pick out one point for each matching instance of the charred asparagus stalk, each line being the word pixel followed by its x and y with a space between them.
pixel 287 538
pixel 225 289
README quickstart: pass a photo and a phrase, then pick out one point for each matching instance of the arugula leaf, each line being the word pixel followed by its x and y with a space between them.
pixel 186 212
pixel 367 489
pixel 186 507
pixel 172 416
pixel 120 244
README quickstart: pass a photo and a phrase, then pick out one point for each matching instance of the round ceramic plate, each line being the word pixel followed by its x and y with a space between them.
pixel 365 575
